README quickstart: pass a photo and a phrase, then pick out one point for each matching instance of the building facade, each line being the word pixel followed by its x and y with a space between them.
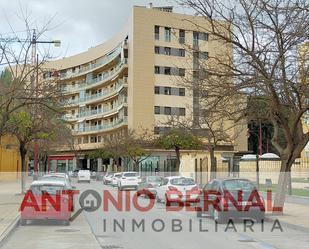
pixel 10 162
pixel 132 82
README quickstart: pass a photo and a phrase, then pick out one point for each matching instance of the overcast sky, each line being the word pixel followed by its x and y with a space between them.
pixel 79 24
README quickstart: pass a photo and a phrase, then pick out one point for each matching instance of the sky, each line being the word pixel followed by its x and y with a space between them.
pixel 79 24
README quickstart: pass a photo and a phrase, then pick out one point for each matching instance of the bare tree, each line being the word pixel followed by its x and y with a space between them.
pixel 17 80
pixel 29 103
pixel 265 37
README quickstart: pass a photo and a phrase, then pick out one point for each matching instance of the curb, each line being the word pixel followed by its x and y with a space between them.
pixel 289 225
pixel 9 230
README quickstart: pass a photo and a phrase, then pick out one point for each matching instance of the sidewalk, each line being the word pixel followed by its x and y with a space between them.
pixel 295 215
pixel 10 199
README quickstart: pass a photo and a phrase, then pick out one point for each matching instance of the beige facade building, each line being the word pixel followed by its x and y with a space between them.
pixel 132 82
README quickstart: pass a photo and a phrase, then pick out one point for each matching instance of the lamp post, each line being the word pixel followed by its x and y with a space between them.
pixel 35 83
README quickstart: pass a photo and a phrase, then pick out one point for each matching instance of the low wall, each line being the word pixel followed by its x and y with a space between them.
pixel 269 169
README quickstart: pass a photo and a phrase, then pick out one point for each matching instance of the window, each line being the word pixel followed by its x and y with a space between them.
pixel 195 74
pixel 73 112
pixel 195 38
pixel 182 52
pixel 157 32
pixel 195 57
pixel 182 72
pixel 157 50
pixel 167 90
pixel 182 35
pixel 99 139
pixel 204 36
pixel 203 93
pixel 182 92
pixel 157 130
pixel 167 51
pixel 86 140
pixel 204 55
pixel 157 90
pixel 167 34
pixel 167 110
pixel 157 109
pixel 157 70
pixel 167 71
pixel 182 112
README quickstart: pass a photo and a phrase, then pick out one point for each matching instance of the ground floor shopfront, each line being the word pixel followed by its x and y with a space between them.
pixel 195 164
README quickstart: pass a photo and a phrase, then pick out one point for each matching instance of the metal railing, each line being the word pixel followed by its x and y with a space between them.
pixel 102 61
pixel 104 127
pixel 104 77
pixel 103 111
pixel 104 94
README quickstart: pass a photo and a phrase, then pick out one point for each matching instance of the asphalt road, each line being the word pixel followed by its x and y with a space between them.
pixel 195 234
pixel 115 229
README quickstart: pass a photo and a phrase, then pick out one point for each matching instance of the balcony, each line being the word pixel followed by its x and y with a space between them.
pixel 101 62
pixel 101 128
pixel 99 112
pixel 99 80
pixel 104 94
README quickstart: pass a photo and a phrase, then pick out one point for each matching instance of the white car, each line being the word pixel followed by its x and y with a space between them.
pixel 60 177
pixel 177 188
pixel 129 180
pixel 108 178
pixel 83 176
pixel 116 176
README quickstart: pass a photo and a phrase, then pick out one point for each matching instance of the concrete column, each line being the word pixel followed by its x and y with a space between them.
pixel 100 168
pixel 74 163
pixel 66 165
pixel 111 164
pixel 88 163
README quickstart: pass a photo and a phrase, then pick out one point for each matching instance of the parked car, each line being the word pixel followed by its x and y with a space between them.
pixel 148 185
pixel 99 176
pixel 60 177
pixel 186 187
pixel 75 173
pixel 39 188
pixel 93 175
pixel 83 176
pixel 116 176
pixel 108 178
pixel 233 186
pixel 128 180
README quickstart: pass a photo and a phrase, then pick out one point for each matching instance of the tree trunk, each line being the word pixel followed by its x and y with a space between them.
pixel 283 182
pixel 177 150
pixel 135 166
pixel 45 163
pixel 23 153
pixel 213 164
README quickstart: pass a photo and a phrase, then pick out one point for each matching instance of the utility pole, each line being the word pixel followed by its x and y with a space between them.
pixel 35 84
pixel 260 139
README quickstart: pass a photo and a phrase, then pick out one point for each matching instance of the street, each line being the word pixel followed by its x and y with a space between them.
pixel 158 229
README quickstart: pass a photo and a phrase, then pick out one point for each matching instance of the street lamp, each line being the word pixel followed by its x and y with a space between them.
pixel 35 83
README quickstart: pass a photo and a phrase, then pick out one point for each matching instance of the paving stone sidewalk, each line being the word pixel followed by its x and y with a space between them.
pixel 10 199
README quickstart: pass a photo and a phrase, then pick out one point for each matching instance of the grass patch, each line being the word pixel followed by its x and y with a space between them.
pixel 302 180
pixel 295 191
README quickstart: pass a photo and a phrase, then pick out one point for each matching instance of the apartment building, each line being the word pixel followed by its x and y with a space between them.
pixel 132 82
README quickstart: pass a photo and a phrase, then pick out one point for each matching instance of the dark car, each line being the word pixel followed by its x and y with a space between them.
pixel 225 193
pixel 148 185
